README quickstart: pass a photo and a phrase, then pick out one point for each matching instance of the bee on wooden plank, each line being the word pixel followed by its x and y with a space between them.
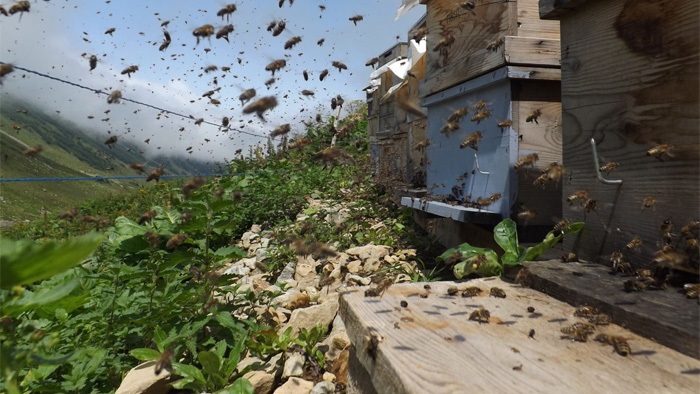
pixel 495 44
pixel 667 257
pixel 569 257
pixel 692 290
pixel 578 331
pixel 617 342
pixel 586 311
pixel 472 140
pixel 379 288
pixel 471 291
pixel 497 292
pixel 632 285
pixel 619 264
pixel 661 150
pixel 527 160
pixel 648 202
pixel 531 334
pixel 534 115
pixel 480 315
pixel 373 345
pixel 691 230
pixel 634 244
pixel 608 167
pixel 599 319
pixel 452 290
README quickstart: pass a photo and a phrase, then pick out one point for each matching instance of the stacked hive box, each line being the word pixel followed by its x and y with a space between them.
pixel 630 81
pixel 502 56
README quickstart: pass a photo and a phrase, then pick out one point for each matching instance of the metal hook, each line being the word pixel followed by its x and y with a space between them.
pixel 476 160
pixel 597 168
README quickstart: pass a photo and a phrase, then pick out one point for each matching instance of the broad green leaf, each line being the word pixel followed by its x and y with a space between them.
pixel 145 354
pixel 27 261
pixel 127 228
pixel 506 236
pixel 182 383
pixel 226 320
pixel 188 371
pixel 310 211
pixel 483 263
pixel 211 363
pixel 30 300
pixel 160 337
pixel 52 359
pixel 550 240
pixel 240 386
pixel 61 315
pixel 230 252
pixel 234 356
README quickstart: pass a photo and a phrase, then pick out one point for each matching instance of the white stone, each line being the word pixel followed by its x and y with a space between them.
pixel 295 386
pixel 361 280
pixel 324 387
pixel 354 266
pixel 294 366
pixel 262 382
pixel 264 242
pixel 238 269
pixel 328 377
pixel 308 318
pixel 369 251
pixel 391 259
pixel 143 379
pixel 371 265
pixel 249 262
pixel 256 228
pixel 261 255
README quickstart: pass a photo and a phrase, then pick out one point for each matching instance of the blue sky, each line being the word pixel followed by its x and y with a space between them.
pixel 52 37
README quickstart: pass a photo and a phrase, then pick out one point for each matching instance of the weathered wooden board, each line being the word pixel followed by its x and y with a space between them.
pixel 431 347
pixel 668 316
pixel 630 80
pixel 491 35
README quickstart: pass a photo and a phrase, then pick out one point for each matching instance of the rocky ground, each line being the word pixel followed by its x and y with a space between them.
pixel 308 289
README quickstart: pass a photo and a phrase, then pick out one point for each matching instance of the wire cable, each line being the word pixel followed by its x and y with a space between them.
pixel 131 100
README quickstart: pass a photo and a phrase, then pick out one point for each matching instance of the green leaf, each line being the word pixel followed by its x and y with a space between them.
pixel 159 336
pixel 145 354
pixel 189 371
pixel 28 261
pixel 506 236
pixel 240 386
pixel 53 359
pixel 61 315
pixel 230 252
pixel 550 240
pixel 234 356
pixel 226 320
pixel 211 363
pixel 310 211
pixel 487 265
pixel 30 300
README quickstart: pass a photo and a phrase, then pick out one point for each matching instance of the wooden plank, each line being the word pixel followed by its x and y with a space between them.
pixel 534 73
pixel 532 51
pixel 631 94
pixel 556 9
pixel 666 316
pixel 529 23
pixel 430 346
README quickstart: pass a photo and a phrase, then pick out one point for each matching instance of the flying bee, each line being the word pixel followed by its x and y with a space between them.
pixel 320 42
pixel 300 143
pixel 578 331
pixel 276 65
pixel 472 140
pixel 271 26
pixel 155 174
pixel 281 25
pixel 449 127
pixel 93 62
pixel 356 18
pixel 667 257
pixel 224 32
pixel 667 231
pixel 421 146
pixel 497 292
pixel 323 74
pixel 129 70
pixel 372 62
pixel 110 30
pixel 31 152
pixel 691 230
pixel 307 92
pixel 495 44
pixel 560 225
pixel 484 202
pixel 138 167
pixel 660 150
pixel 339 65
pixel 569 257
pixel 480 315
pixel 418 34
pixel 481 115
pixel 457 115
pixel 692 290
pixel 553 173
pixel 590 205
pixel 635 243
pixel 608 167
pixel 281 130
pixel 579 195
pixel 527 160
pixel 648 202
pixel 166 41
pixel 111 141
pixel 175 241
pixel 471 291
pixel 305 73
pixel 332 155
pixel 3 11
pixel 5 69
pixel 259 107
pixel 527 215
pixel 192 185
pixel 147 217
pixel 226 11
pixel 467 5
pixel 270 82
pixel 224 122
pixel 69 215
pixel 292 42
pixel 379 288
pixel 444 43
pixel 203 31
pixel 210 93
pixel 533 116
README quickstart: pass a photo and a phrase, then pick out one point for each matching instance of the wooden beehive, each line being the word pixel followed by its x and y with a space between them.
pixel 460 173
pixel 630 81
pixel 488 36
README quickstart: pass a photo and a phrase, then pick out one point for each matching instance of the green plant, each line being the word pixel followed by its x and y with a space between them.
pixel 468 259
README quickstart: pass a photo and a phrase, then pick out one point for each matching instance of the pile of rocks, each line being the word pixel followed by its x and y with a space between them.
pixel 308 297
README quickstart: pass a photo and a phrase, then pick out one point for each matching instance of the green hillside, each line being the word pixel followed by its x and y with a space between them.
pixel 68 151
